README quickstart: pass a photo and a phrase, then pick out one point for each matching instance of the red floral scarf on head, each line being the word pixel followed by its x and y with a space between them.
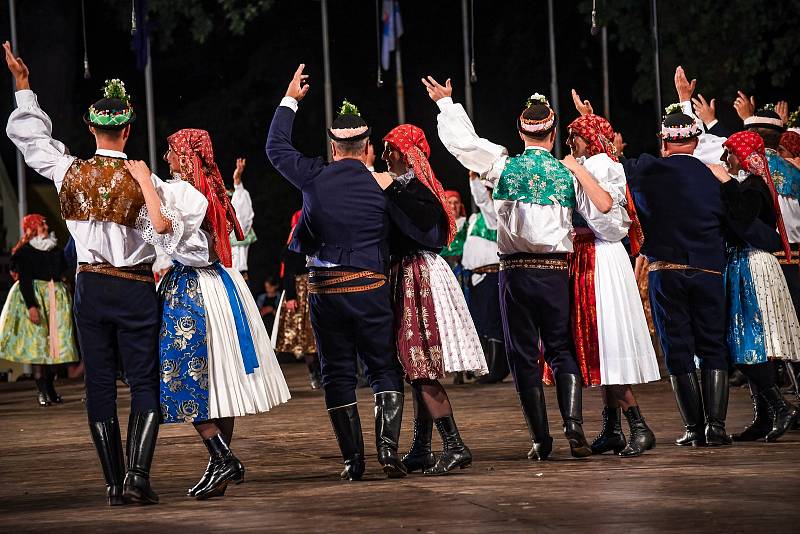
pixel 791 142
pixel 292 226
pixel 30 223
pixel 599 135
pixel 410 141
pixel 198 167
pixel 748 147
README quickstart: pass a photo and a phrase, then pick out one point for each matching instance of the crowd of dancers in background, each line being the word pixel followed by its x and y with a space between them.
pixel 384 277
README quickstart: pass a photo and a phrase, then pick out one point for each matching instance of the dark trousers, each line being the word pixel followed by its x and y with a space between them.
pixel 118 321
pixel 534 304
pixel 348 326
pixel 484 306
pixel 690 318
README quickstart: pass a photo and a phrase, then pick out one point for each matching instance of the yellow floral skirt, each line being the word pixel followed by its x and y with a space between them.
pixel 292 332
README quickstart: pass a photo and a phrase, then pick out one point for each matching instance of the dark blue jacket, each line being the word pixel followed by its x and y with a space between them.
pixel 679 203
pixel 344 218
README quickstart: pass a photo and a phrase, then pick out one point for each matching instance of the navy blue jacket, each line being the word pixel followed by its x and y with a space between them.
pixel 344 218
pixel 679 203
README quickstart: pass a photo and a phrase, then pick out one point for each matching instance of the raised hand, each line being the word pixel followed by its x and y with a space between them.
pixel 619 143
pixel 436 90
pixel 684 87
pixel 237 174
pixel 298 87
pixel 17 67
pixel 474 175
pixel 139 170
pixel 744 105
pixel 782 109
pixel 584 107
pixel 33 315
pixel 705 111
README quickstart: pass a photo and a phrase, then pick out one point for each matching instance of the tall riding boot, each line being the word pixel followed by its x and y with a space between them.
pixel 347 427
pixel 793 370
pixel 715 402
pixel 420 457
pixel 454 452
pixel 41 386
pixel 783 414
pixel 142 436
pixel 640 438
pixel 761 424
pixel 568 391
pixel 690 405
pixel 108 443
pixel 611 437
pixel 54 397
pixel 535 410
pixel 498 362
pixel 227 469
pixel 388 417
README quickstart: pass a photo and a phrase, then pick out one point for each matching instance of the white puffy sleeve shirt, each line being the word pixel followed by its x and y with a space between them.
pixel 610 175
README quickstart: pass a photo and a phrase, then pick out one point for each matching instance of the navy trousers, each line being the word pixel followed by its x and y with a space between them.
pixel 118 321
pixel 348 326
pixel 484 306
pixel 534 304
pixel 690 318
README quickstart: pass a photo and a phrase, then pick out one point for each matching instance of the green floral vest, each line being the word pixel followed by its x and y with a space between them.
pixel 456 248
pixel 536 177
pixel 479 229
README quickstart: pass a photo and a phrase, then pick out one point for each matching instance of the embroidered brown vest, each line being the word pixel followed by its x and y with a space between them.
pixel 100 189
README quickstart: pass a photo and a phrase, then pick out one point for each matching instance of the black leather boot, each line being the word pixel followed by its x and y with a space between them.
pixel 535 410
pixel 347 427
pixel 498 362
pixel 715 402
pixel 454 452
pixel 611 437
pixel 761 424
pixel 784 414
pixel 388 417
pixel 212 463
pixel 690 405
pixel 640 438
pixel 568 391
pixel 108 443
pixel 142 436
pixel 420 457
pixel 226 469
pixel 41 386
pixel 52 395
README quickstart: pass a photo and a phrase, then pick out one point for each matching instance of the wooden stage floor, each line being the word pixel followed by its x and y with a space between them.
pixel 50 480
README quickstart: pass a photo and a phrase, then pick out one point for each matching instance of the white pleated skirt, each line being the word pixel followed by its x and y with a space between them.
pixel 626 349
pixel 232 391
pixel 461 346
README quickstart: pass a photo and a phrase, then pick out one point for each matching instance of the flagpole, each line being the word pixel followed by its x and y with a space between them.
pixel 657 68
pixel 553 73
pixel 467 72
pixel 399 88
pixel 606 93
pixel 151 114
pixel 22 197
pixel 326 61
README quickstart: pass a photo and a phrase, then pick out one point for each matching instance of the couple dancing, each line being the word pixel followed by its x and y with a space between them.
pixel 202 328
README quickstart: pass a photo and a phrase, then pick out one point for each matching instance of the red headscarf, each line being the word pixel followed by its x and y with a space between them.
pixel 748 147
pixel 30 224
pixel 452 193
pixel 599 135
pixel 410 141
pixel 198 167
pixel 791 141
pixel 295 220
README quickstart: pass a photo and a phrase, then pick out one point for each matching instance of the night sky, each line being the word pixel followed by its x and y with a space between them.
pixel 231 84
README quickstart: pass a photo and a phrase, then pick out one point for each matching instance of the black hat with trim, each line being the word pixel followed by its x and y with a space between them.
pixel 114 110
pixel 348 126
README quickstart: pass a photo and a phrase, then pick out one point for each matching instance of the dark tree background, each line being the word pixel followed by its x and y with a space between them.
pixel 223 65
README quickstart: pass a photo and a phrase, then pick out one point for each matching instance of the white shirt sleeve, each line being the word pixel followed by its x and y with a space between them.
pixel 459 137
pixel 610 175
pixel 30 129
pixel 289 102
pixel 709 146
pixel 243 205
pixel 484 202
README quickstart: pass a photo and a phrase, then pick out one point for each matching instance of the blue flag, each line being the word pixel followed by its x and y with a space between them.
pixel 392 30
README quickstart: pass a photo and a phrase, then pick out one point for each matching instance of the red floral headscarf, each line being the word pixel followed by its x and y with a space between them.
pixel 410 141
pixel 791 142
pixel 452 193
pixel 748 147
pixel 198 167
pixel 30 223
pixel 599 135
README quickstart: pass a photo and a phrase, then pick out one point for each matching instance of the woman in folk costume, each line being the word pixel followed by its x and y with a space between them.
pixel 292 332
pixel 762 323
pixel 435 333
pixel 36 322
pixel 612 339
pixel 216 359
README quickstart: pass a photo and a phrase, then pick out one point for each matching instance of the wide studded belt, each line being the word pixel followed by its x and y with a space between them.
pixel 486 269
pixel 139 273
pixel 669 266
pixel 554 264
pixel 323 282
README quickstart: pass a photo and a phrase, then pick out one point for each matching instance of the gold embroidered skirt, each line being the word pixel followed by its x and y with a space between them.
pixel 292 332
